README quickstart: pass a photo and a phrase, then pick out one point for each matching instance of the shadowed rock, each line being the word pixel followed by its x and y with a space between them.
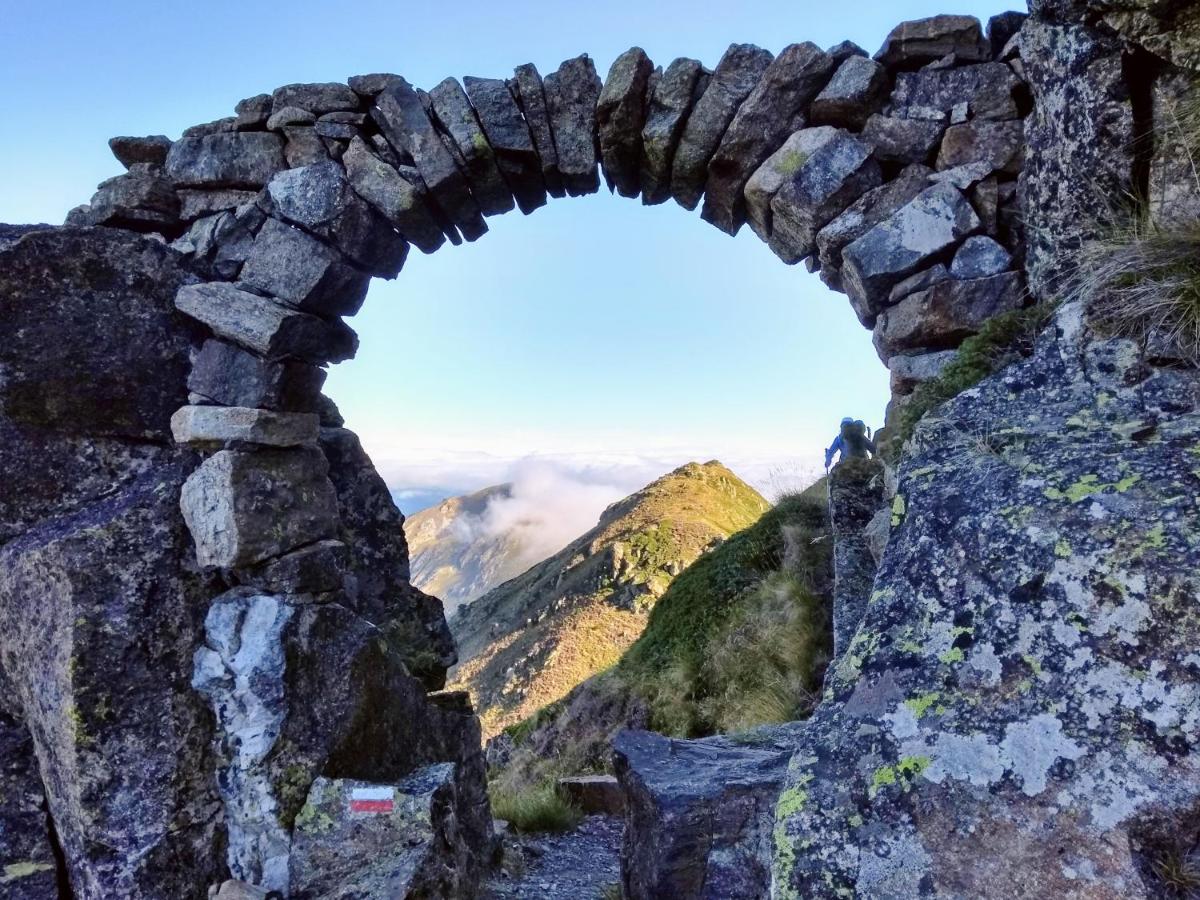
pixel 980 257
pixel 510 139
pixel 140 200
pixel 856 492
pixel 736 74
pixel 225 374
pixel 401 117
pixel 303 272
pixel 398 199
pixel 926 40
pixel 457 118
pixel 670 102
pixel 774 109
pixel 903 140
pixel 130 151
pixel 620 116
pixel 27 856
pixel 857 90
pixel 571 94
pixel 999 144
pixel 208 426
pixel 988 90
pixel 317 98
pixel 527 89
pixel 909 371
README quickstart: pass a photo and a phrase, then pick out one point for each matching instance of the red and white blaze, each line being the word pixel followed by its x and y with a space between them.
pixel 372 799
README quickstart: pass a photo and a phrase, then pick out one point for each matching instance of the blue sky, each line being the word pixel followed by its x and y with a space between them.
pixel 610 339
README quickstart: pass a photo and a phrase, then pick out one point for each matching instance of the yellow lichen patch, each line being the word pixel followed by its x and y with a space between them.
pixel 898 510
pixel 17 871
pixel 1087 485
pixel 921 703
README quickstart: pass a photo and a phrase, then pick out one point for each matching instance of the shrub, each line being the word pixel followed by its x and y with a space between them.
pixel 537 807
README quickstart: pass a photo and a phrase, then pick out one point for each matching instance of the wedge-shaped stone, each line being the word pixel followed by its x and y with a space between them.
pixel 669 103
pixel 907 372
pixel 926 40
pixel 838 172
pixel 320 200
pixel 529 92
pixel 571 95
pixel 401 117
pixel 857 90
pixel 736 74
pixel 980 257
pixel 946 314
pixel 903 140
pixel 508 134
pixel 236 159
pixel 987 90
pixel 206 426
pixel 457 118
pixel 318 98
pixel 130 151
pixel 909 239
pixel 243 508
pixel 620 116
pixel 398 199
pixel 303 272
pixel 863 215
pixel 773 110
pixel 139 200
pixel 264 326
pixel 779 168
pixel 226 374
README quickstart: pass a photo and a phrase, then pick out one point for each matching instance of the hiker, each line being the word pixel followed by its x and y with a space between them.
pixel 853 442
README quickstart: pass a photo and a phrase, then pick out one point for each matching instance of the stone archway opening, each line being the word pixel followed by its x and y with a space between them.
pixel 895 178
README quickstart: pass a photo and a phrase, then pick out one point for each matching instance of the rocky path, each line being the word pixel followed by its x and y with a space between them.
pixel 583 864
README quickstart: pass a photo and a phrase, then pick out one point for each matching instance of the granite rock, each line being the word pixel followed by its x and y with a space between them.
pixel 242 159
pixel 571 93
pixel 856 92
pixel 529 92
pixel 508 134
pixel 458 120
pixel 681 85
pixel 620 116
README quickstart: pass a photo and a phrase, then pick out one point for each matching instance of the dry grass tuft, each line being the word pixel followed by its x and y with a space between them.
pixel 536 807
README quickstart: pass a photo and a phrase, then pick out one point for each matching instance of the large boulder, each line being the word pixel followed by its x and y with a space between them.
pixel 699 814
pixel 26 848
pixel 1019 710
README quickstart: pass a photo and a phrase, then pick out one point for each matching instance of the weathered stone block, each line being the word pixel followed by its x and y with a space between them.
pixel 669 104
pixel 303 272
pixel 225 374
pixel 382 840
pixel 863 215
pixel 856 492
pixel 920 281
pixel 401 201
pixel 774 108
pixel 942 316
pixel 594 794
pixel 989 90
pixel 908 371
pixel 738 71
pixel 401 117
pixel 856 91
pixel 999 144
pixel 903 140
pixel 131 151
pixel 207 426
pixel 697 814
pixel 980 257
pixel 316 98
pixel 454 112
pixel 242 508
pixel 266 327
pixel 242 159
pixel 196 204
pixel 139 200
pixel 909 239
pixel 26 854
pixel 527 89
pixel 372 84
pixel 315 569
pixel 777 170
pixel 926 40
pixel 838 172
pixel 571 94
pixel 319 199
pixel 620 116
pixel 508 134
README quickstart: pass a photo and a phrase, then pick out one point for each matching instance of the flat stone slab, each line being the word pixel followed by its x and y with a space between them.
pixel 509 135
pixel 243 508
pixel 240 159
pixel 225 374
pixel 268 328
pixel 205 426
pixel 594 794
pixel 401 201
pixel 457 117
pixel 926 40
pixel 529 91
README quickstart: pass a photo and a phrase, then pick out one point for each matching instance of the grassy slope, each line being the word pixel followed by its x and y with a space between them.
pixel 739 639
pixel 531 640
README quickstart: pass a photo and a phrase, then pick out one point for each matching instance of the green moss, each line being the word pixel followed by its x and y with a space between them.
pixel 314 820
pixel 1001 341
pixel 792 162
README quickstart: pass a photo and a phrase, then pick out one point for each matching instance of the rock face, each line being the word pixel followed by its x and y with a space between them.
pixel 856 491
pixel 699 814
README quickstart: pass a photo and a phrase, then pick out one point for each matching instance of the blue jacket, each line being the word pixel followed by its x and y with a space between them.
pixel 837 446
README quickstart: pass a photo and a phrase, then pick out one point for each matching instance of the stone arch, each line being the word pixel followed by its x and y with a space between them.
pixel 894 177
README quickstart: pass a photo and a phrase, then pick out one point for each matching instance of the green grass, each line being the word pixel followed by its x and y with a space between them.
pixel 1002 341
pixel 536 807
